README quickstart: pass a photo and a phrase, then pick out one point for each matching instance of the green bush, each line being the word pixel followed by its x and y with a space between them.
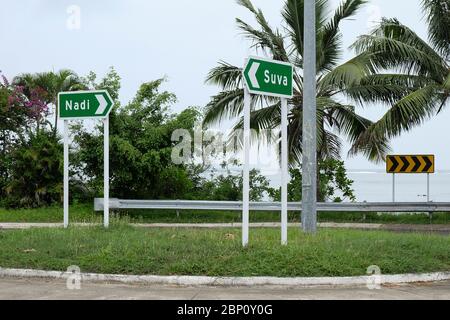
pixel 36 172
pixel 332 180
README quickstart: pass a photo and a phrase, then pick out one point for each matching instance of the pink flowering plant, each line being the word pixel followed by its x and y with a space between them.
pixel 30 109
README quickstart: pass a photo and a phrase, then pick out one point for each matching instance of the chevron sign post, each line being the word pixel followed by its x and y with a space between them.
pixel 82 105
pixel 404 164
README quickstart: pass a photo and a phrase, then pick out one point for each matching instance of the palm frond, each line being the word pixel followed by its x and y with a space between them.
pixel 226 76
pixel 345 75
pixel 225 105
pixel 373 145
pixel 384 88
pixel 262 123
pixel 247 4
pixel 394 46
pixel 437 13
pixel 331 48
pixel 409 112
pixel 267 38
pixel 293 14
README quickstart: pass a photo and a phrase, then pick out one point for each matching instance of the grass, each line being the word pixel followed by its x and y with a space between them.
pixel 85 213
pixel 123 249
pixel 78 213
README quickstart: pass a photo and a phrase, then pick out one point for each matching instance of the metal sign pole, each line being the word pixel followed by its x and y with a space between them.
pixel 246 178
pixel 309 163
pixel 66 174
pixel 393 187
pixel 106 172
pixel 428 187
pixel 284 172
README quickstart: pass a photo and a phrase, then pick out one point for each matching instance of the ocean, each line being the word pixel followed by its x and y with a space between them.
pixel 376 186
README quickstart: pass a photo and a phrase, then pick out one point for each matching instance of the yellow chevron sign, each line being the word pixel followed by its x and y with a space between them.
pixel 410 164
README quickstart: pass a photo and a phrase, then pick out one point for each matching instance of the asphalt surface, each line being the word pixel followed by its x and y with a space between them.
pixel 42 289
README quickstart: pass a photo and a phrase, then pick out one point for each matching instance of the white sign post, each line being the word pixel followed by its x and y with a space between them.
pixel 269 78
pixel 246 178
pixel 106 172
pixel 85 105
pixel 66 173
pixel 284 172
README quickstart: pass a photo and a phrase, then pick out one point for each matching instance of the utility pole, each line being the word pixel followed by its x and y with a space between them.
pixel 309 163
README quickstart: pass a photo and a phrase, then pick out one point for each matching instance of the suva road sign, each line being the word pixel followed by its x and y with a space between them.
pixel 410 164
pixel 269 77
pixel 84 104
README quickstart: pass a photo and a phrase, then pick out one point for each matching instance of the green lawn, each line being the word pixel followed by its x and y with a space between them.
pixel 78 213
pixel 123 249
pixel 85 213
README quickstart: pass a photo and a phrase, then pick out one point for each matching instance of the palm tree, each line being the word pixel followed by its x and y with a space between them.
pixel 52 83
pixel 334 81
pixel 423 67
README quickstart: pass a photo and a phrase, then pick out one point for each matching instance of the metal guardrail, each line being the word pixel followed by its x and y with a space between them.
pixel 273 206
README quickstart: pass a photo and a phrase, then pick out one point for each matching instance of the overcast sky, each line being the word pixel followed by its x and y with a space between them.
pixel 145 40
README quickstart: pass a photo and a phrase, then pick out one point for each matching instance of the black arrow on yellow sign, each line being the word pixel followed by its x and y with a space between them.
pixel 410 164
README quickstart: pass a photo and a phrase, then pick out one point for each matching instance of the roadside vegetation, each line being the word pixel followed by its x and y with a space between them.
pixel 84 213
pixel 126 250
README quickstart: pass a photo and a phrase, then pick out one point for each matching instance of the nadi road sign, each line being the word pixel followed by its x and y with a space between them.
pixel 84 104
pixel 269 77
pixel 410 164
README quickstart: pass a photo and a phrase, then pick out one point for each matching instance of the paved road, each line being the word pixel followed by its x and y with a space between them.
pixel 11 288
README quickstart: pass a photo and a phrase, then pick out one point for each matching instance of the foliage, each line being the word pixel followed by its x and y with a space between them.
pixel 140 146
pixel 110 82
pixel 334 185
pixel 228 187
pixel 49 84
pixel 334 117
pixel 35 167
pixel 18 115
pixel 420 67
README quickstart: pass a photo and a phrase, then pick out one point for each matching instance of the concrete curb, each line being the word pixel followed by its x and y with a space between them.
pixel 232 281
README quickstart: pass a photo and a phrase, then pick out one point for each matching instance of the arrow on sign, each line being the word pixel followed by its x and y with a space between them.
pixel 417 164
pixel 252 74
pixel 428 165
pixel 102 104
pixel 405 164
pixel 393 164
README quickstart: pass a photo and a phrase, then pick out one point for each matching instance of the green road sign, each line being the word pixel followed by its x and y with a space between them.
pixel 269 77
pixel 84 104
